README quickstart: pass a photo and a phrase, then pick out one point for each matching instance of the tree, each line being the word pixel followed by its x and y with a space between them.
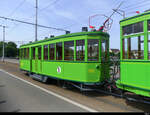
pixel 11 49
pixel 1 48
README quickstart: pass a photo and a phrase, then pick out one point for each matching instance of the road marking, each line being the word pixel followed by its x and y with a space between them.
pixel 52 93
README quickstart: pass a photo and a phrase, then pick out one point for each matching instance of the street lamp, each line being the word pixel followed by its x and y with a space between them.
pixel 3 56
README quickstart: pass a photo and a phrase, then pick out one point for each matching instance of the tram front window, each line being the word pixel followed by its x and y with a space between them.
pixel 93 50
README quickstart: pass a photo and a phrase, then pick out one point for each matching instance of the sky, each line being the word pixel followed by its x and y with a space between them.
pixel 70 15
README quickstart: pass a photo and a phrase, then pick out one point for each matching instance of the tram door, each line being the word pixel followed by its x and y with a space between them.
pixel 36 59
pixel 39 61
pixel 33 51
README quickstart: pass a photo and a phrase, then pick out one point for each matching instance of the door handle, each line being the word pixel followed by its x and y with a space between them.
pixel 98 66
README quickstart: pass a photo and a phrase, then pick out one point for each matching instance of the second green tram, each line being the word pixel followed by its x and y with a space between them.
pixel 135 54
pixel 78 57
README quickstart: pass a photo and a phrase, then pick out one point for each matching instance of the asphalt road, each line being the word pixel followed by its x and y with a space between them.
pixel 18 96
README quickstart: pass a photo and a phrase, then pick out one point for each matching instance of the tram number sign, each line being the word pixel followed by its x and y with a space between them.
pixel 58 69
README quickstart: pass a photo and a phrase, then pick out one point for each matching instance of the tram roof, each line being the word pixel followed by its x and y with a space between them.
pixel 142 14
pixel 69 35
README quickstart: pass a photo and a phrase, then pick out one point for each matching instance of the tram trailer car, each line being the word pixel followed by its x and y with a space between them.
pixel 75 57
pixel 135 55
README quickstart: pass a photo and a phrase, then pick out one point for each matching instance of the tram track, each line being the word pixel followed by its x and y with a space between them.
pixel 99 101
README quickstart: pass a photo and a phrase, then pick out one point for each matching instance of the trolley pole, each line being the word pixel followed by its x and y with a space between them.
pixel 3 56
pixel 36 20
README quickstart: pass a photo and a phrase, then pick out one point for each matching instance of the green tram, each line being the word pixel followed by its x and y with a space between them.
pixel 75 57
pixel 135 54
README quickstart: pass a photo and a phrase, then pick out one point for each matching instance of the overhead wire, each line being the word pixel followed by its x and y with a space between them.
pixel 21 4
pixel 53 3
pixel 131 5
pixel 38 10
pixel 41 10
pixel 138 6
pixel 18 6
pixel 72 23
pixel 134 9
pixel 48 6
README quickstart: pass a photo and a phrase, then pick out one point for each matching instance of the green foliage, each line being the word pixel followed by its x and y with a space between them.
pixel 11 49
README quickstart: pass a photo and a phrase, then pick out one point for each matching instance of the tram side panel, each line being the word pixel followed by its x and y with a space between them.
pixel 24 60
pixel 24 64
pixel 79 72
pixel 135 77
pixel 82 72
pixel 52 69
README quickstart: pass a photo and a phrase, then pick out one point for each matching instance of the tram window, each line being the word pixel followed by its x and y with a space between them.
pixel 133 28
pixel 69 50
pixel 93 50
pixel 148 25
pixel 127 29
pixel 39 53
pixel 52 51
pixel 21 53
pixel 23 56
pixel 138 27
pixel 58 51
pixel 148 46
pixel 136 48
pixel 104 50
pixel 80 50
pixel 24 53
pixel 125 48
pixel 33 53
pixel 46 52
pixel 27 53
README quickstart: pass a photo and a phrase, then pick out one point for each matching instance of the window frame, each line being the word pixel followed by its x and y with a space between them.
pixel 98 59
pixel 33 53
pixel 39 47
pixel 129 47
pixel 57 57
pixel 72 56
pixel 53 51
pixel 45 52
pixel 84 48
pixel 132 29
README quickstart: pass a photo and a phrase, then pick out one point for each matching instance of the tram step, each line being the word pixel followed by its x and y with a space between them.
pixel 39 78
